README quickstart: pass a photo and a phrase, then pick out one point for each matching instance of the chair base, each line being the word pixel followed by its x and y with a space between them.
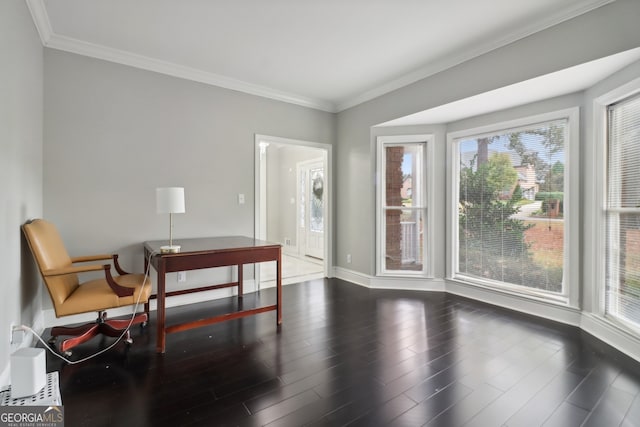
pixel 102 326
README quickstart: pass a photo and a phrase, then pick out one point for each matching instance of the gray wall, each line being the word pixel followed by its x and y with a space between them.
pixel 114 133
pixel 605 31
pixel 20 169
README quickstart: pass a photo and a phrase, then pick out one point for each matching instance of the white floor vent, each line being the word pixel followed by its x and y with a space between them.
pixel 48 396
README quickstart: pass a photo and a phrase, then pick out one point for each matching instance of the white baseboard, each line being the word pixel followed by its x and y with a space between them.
pixel 5 376
pixel 352 276
pixel 291 280
pixel 611 334
pixel 402 283
pixel 409 284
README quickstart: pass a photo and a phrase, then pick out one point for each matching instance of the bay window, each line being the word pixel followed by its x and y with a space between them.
pixel 512 198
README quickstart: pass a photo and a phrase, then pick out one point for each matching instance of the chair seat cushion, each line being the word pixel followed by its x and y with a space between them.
pixel 96 295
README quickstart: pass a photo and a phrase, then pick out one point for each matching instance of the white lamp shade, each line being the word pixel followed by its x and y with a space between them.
pixel 170 200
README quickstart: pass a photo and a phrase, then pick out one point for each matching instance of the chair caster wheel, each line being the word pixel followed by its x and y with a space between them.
pixel 52 343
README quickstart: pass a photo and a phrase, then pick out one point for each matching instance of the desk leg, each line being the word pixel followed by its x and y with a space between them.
pixel 240 281
pixel 146 270
pixel 160 311
pixel 279 287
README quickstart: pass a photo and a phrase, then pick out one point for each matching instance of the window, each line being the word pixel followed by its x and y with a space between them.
pixel 402 248
pixel 622 283
pixel 511 206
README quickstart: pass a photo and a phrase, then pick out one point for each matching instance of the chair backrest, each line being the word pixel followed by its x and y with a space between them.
pixel 49 252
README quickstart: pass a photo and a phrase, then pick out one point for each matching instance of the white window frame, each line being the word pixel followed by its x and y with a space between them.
pixel 571 290
pixel 600 120
pixel 427 211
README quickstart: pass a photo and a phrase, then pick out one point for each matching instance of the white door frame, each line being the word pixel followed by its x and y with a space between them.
pixel 260 208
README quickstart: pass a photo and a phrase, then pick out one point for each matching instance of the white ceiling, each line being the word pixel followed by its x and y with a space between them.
pixel 325 54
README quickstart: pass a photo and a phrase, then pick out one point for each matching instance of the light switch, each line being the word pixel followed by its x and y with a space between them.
pixel 241 199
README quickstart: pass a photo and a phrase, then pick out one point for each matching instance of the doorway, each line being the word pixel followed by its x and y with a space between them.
pixel 310 202
pixel 293 193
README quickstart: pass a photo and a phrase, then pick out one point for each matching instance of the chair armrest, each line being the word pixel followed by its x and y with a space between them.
pixel 72 270
pixel 121 291
pixel 89 258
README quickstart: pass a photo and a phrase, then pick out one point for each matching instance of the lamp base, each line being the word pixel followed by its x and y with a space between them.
pixel 169 249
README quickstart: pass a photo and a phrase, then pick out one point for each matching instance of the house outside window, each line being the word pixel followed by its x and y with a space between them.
pixel 402 244
pixel 511 206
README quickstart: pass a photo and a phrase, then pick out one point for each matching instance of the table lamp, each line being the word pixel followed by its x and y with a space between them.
pixel 170 200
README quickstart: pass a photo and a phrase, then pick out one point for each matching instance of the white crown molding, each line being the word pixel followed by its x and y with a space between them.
pixel 68 44
pixel 40 19
pixel 450 62
pixel 80 47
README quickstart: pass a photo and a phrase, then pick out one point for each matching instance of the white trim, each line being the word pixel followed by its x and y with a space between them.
pixel 5 376
pixel 572 183
pixel 408 284
pixel 572 246
pixel 611 334
pixel 80 47
pixel 292 280
pixel 352 276
pixel 41 20
pixel 328 159
pixel 396 283
pixel 598 166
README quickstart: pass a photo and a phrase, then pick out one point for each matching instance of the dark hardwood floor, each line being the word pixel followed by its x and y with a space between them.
pixel 347 355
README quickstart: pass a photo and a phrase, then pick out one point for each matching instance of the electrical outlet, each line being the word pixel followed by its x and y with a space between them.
pixel 348 258
pixel 182 276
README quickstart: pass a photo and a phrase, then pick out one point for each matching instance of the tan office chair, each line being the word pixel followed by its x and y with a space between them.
pixel 70 296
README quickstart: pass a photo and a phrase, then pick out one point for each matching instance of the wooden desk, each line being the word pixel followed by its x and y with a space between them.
pixel 207 253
